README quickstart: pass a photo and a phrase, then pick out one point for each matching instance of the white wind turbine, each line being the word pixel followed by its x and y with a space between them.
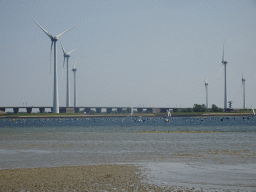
pixel 55 85
pixel 206 89
pixel 74 71
pixel 243 83
pixel 225 79
pixel 66 55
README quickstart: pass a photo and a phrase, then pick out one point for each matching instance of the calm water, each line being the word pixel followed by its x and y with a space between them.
pixel 58 142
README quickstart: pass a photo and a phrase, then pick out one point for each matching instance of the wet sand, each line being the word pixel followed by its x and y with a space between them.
pixel 79 178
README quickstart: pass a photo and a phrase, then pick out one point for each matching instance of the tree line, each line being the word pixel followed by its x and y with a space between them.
pixel 202 108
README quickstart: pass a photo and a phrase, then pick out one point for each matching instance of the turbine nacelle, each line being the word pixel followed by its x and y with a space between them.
pixel 74 69
pixel 49 35
pixel 54 39
pixel 206 82
pixel 224 62
pixel 66 55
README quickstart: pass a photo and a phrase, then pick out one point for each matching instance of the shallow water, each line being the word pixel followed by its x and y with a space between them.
pixel 218 154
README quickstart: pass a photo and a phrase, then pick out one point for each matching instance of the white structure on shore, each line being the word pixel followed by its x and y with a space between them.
pixel 66 55
pixel 74 71
pixel 55 83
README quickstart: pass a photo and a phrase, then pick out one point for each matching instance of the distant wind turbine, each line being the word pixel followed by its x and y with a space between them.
pixel 206 89
pixel 74 71
pixel 225 80
pixel 66 55
pixel 55 84
pixel 243 83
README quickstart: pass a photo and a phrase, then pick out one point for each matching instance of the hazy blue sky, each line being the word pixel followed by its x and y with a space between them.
pixel 129 52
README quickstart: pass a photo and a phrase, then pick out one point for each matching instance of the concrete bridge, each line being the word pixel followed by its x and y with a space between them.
pixel 88 109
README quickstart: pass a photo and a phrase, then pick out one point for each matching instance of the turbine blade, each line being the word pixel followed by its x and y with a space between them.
pixel 223 54
pixel 62 48
pixel 71 51
pixel 220 70
pixel 51 58
pixel 46 32
pixel 58 36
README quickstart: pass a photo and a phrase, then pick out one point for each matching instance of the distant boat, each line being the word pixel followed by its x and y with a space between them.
pixel 253 112
pixel 139 120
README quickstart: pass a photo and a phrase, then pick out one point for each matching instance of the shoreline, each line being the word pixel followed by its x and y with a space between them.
pixel 116 115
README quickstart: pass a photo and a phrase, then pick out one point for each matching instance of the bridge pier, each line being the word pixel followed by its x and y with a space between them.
pixel 175 110
pixel 2 109
pixel 76 109
pixel 98 110
pixel 163 110
pixel 109 110
pixel 16 110
pixel 119 110
pixel 29 109
pixel 42 109
pixel 87 109
pixel 150 110
pixel 155 110
pixel 140 110
pixel 62 109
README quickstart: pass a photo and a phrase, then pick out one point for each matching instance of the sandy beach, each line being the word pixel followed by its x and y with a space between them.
pixel 80 178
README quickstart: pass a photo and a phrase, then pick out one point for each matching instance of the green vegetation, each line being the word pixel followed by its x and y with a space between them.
pixel 202 108
pixel 215 108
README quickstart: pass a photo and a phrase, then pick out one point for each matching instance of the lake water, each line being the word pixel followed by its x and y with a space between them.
pixel 212 153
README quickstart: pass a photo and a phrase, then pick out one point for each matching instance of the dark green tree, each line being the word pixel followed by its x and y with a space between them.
pixel 216 109
pixel 199 108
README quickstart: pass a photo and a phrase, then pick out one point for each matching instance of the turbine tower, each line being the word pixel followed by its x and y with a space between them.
pixel 243 83
pixel 74 71
pixel 225 79
pixel 55 84
pixel 66 55
pixel 206 89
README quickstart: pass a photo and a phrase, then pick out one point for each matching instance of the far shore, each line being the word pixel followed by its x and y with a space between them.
pixel 78 115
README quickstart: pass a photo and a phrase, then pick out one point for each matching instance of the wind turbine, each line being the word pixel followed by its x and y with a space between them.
pixel 66 55
pixel 243 83
pixel 55 84
pixel 225 80
pixel 74 71
pixel 206 88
